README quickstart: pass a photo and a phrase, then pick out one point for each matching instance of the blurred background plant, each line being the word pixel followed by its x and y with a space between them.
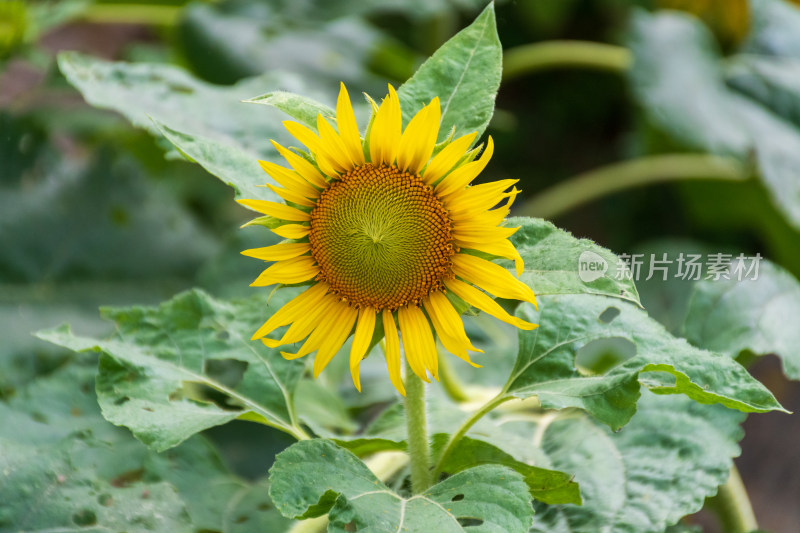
pixel 667 134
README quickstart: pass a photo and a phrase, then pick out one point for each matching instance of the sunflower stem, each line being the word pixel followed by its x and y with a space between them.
pixel 584 188
pixel 733 507
pixel 419 452
pixel 564 54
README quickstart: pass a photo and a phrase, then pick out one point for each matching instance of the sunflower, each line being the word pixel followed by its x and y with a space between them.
pixel 388 233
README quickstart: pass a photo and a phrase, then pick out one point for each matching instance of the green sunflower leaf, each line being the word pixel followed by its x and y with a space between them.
pixel 208 124
pixel 547 486
pixel 188 365
pixel 315 477
pixel 594 353
pixel 558 263
pixel 743 106
pixel 659 468
pixel 730 316
pixel 96 473
pixel 465 74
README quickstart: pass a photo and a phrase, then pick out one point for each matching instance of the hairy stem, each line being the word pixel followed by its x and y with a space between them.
pixel 564 54
pixel 733 505
pixel 417 426
pixel 468 423
pixel 595 184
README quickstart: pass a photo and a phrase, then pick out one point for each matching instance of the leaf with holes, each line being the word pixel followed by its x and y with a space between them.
pixel 558 263
pixel 731 316
pixel 62 445
pixel 187 365
pixel 315 477
pixel 592 351
pixel 464 73
pixel 660 467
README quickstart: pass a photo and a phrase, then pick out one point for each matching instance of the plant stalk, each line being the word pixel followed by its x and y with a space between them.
pixel 733 505
pixel 419 452
pixel 564 54
pixel 600 182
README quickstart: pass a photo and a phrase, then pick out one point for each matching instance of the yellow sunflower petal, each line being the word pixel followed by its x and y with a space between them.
pixel 449 327
pixel 463 175
pixel 502 248
pixel 279 252
pixel 291 196
pixel 294 308
pixel 287 272
pixel 348 128
pixel 344 317
pixel 478 233
pixel 302 167
pixel 492 277
pixel 361 339
pixel 323 329
pixel 447 158
pixel 274 209
pixel 326 163
pixel 392 351
pixel 303 325
pixel 385 131
pixel 333 144
pixel 479 197
pixel 292 231
pixel 419 138
pixel 484 302
pixel 289 179
pixel 417 337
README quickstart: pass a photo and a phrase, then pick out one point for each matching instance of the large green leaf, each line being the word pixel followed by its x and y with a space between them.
pixel 464 73
pixel 773 28
pixel 555 262
pixel 315 477
pixel 43 490
pixel 660 467
pixel 164 365
pixel 733 105
pixel 547 486
pixel 731 316
pixel 208 124
pixel 96 473
pixel 555 361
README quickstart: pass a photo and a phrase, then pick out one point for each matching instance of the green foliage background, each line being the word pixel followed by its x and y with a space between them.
pixel 624 425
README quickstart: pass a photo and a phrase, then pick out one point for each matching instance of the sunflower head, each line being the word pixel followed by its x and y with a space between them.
pixel 385 228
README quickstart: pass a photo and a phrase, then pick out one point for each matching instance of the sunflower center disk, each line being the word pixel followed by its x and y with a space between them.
pixel 381 237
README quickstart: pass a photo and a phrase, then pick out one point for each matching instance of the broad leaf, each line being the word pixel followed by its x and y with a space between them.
pixel 312 478
pixel 657 469
pixel 731 316
pixel 547 486
pixel 589 352
pixel 387 432
pixel 45 491
pixel 774 28
pixel 464 73
pixel 161 370
pixel 97 473
pixel 674 54
pixel 558 263
pixel 207 123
